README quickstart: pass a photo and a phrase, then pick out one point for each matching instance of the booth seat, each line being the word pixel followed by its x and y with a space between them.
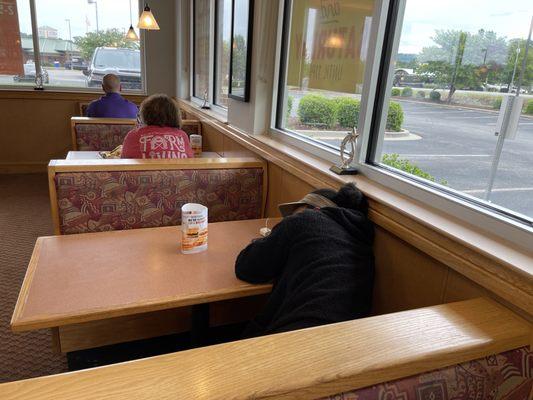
pixel 104 134
pixel 103 195
pixel 503 376
pixel 470 350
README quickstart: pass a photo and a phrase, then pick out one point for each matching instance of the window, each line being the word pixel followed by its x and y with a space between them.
pixel 455 65
pixel 17 66
pixel 322 76
pixel 79 42
pixel 202 47
pixel 223 38
pixel 211 51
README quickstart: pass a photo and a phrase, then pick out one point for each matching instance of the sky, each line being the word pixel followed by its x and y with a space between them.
pixel 111 14
pixel 510 18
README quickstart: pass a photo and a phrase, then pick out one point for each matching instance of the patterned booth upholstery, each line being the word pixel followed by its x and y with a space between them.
pixel 129 194
pixel 504 376
pixel 104 134
pixel 99 134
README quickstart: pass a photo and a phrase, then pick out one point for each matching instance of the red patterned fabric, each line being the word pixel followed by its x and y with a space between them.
pixel 104 201
pixel 100 137
pixel 505 376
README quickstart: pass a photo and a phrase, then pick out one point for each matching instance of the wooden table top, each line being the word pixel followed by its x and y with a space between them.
pixel 95 155
pixel 93 276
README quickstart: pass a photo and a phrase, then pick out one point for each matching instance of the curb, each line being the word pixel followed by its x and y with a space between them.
pixel 399 98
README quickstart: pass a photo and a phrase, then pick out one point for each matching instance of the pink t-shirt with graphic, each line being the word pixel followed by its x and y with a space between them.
pixel 156 142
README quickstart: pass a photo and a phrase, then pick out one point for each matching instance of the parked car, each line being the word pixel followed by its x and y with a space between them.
pixel 125 63
pixel 76 63
pixel 29 74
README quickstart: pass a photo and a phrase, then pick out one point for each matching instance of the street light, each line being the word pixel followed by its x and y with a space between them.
pixel 96 9
pixel 69 42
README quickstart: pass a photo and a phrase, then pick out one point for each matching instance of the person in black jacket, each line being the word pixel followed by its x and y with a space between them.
pixel 319 258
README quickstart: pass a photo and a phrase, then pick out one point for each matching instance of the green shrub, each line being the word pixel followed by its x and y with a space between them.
pixel 396 92
pixel 407 92
pixel 529 107
pixel 421 94
pixel 497 103
pixel 394 161
pixel 394 117
pixel 315 109
pixel 290 100
pixel 348 111
pixel 434 95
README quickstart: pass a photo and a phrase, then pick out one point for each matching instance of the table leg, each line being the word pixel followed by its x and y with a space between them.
pixel 199 324
pixel 56 343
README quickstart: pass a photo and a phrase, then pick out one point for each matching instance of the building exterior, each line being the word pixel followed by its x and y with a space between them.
pixel 52 50
pixel 48 32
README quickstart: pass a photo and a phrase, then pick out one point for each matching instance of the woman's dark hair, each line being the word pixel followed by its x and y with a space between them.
pixel 348 196
pixel 160 110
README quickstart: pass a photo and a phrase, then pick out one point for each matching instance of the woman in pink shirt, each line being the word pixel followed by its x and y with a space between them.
pixel 159 135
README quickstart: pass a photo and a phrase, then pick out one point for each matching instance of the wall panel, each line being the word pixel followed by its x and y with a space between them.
pixel 35 127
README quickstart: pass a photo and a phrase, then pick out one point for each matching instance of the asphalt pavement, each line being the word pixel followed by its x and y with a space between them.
pixel 457 144
pixel 58 77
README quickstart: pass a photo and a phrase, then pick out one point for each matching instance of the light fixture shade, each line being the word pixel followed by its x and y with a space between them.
pixel 132 35
pixel 147 20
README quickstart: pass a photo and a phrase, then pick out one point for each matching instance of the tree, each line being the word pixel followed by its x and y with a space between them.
pixel 481 48
pixel 507 72
pixel 461 60
pixel 238 61
pixel 110 38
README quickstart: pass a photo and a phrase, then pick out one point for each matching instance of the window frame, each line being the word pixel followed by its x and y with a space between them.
pixel 385 35
pixel 289 137
pixel 213 13
pixel 66 89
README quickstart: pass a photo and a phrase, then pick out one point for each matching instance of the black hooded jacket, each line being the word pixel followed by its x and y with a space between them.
pixel 322 266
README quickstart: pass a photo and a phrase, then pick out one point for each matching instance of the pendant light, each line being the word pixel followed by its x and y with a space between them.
pixel 131 35
pixel 147 20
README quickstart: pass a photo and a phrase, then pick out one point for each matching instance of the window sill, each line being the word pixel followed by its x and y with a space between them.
pixel 216 112
pixel 32 94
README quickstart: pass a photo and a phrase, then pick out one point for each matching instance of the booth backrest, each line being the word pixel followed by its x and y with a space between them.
pixel 507 375
pixel 101 195
pixel 104 134
pixel 99 134
pixel 84 105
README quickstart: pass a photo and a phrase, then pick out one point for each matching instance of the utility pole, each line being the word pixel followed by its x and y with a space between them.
pixel 458 62
pixel 485 65
pixel 510 87
pixel 505 125
pixel 95 2
pixel 69 43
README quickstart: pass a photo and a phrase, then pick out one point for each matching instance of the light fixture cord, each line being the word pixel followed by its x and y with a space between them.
pixel 131 18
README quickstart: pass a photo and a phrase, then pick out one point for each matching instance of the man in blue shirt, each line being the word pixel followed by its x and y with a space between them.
pixel 112 105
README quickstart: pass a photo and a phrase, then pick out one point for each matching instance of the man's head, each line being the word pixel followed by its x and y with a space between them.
pixel 111 83
pixel 348 196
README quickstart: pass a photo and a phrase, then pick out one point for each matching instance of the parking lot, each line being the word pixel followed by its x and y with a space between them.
pixel 58 77
pixel 457 144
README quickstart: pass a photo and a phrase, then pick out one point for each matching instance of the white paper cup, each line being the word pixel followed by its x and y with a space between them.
pixel 193 228
pixel 196 144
